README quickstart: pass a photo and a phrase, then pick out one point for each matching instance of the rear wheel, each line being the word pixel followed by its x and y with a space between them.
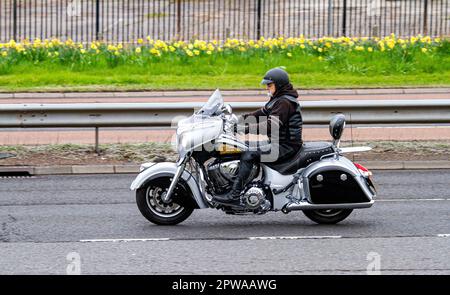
pixel 327 216
pixel 149 202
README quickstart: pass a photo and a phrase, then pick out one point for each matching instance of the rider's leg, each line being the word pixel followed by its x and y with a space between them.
pixel 248 159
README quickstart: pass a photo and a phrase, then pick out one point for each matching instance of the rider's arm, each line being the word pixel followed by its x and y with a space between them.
pixel 248 122
pixel 277 117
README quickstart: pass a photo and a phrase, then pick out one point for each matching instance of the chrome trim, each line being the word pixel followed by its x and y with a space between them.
pixel 302 205
pixel 202 185
pixel 166 198
pixel 301 188
pixel 145 166
pixel 227 139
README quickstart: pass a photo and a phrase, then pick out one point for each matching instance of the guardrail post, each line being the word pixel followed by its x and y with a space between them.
pixel 97 150
pixel 15 20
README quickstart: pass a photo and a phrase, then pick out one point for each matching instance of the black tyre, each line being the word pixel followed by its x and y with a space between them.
pixel 327 216
pixel 148 199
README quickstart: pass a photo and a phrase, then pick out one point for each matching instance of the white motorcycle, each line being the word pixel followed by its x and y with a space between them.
pixel 318 180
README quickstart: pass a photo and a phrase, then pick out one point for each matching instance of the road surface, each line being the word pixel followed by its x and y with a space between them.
pixel 47 219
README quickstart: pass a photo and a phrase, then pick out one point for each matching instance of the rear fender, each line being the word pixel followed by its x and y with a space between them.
pixel 154 170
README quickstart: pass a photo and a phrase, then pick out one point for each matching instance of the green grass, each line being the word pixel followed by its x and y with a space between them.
pixel 338 69
pixel 47 78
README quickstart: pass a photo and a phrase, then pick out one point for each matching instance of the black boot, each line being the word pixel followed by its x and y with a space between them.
pixel 232 197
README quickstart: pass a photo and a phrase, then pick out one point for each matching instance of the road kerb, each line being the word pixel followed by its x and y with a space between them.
pixel 93 169
pixel 52 170
pixel 426 164
pixel 134 169
pixel 126 169
pixel 383 165
pixel 206 92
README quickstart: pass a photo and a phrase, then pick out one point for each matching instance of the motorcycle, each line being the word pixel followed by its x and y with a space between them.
pixel 318 180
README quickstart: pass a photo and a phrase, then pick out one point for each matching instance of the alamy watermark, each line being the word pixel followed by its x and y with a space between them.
pixel 74 266
pixel 374 266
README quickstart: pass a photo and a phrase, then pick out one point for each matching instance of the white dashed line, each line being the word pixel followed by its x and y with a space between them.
pixel 295 238
pixel 400 127
pixel 410 200
pixel 124 240
pixel 268 238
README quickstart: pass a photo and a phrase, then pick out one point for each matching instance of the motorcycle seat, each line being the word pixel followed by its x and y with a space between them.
pixel 309 152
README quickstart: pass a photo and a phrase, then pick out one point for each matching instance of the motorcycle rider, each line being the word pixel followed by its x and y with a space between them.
pixel 281 118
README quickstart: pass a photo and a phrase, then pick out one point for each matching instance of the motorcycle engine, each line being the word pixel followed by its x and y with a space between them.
pixel 254 198
pixel 222 174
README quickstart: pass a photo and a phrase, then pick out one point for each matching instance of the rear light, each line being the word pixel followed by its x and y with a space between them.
pixel 364 171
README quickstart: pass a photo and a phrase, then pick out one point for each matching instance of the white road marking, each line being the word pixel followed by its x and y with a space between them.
pixel 124 240
pixel 241 238
pixel 409 200
pixel 294 237
pixel 400 127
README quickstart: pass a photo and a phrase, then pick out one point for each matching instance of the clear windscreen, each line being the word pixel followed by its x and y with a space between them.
pixel 213 106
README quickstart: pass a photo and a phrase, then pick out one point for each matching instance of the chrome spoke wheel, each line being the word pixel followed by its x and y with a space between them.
pixel 158 206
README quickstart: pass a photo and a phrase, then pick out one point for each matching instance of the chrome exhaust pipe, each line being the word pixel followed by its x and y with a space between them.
pixel 294 206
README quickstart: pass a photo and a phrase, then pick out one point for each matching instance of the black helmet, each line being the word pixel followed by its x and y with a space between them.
pixel 277 76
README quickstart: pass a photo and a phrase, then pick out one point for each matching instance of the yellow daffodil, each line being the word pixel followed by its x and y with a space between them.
pixel 189 53
pixel 391 44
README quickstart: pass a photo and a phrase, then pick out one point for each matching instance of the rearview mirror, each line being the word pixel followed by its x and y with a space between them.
pixel 228 108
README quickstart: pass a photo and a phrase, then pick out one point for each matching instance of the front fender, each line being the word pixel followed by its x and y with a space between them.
pixel 168 168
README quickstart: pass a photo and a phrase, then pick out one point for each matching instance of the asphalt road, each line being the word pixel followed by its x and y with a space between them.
pixel 46 221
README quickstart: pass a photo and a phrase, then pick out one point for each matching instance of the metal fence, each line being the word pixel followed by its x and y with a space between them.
pixel 128 20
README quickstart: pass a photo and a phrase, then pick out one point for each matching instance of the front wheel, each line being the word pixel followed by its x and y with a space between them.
pixel 149 202
pixel 327 216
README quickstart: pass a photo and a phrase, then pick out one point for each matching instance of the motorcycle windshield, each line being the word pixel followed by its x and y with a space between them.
pixel 213 106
